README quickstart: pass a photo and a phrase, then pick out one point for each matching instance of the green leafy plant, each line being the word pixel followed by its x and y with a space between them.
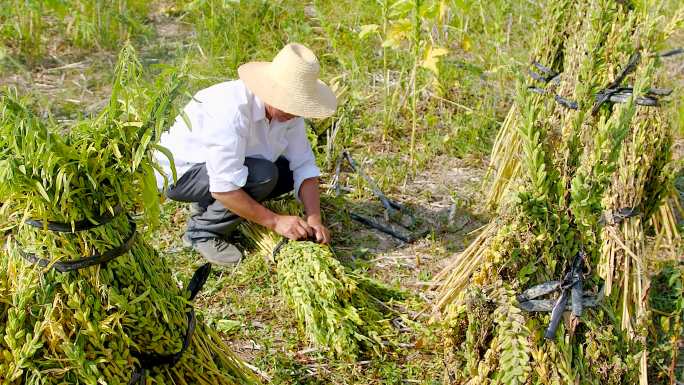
pixel 92 324
pixel 339 310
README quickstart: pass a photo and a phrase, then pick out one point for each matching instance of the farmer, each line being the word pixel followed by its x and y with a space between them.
pixel 246 143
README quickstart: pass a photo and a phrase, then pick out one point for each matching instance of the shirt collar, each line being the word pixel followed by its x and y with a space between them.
pixel 258 109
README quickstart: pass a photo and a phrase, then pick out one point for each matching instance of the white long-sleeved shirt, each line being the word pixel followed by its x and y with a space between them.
pixel 228 123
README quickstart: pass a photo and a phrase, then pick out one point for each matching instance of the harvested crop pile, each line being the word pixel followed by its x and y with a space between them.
pixel 338 310
pixel 85 299
pixel 578 185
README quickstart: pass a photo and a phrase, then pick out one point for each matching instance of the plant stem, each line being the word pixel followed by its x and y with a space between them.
pixel 416 52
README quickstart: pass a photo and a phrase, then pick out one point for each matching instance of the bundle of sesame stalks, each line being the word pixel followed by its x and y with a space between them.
pixel 505 172
pixel 504 165
pixel 338 310
pixel 116 322
pixel 590 184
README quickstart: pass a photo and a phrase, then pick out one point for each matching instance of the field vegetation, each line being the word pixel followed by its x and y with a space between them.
pixel 424 88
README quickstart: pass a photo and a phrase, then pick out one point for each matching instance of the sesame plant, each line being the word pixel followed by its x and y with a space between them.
pixel 74 193
pixel 338 310
pixel 581 190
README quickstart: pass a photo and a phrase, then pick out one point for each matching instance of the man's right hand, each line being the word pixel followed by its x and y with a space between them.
pixel 240 203
pixel 293 227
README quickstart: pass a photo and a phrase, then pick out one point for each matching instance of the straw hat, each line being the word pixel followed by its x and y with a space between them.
pixel 290 83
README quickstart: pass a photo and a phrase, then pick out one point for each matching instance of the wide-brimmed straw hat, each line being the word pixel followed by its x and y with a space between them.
pixel 290 83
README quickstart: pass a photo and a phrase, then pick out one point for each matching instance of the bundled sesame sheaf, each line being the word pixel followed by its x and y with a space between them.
pixel 84 298
pixel 340 311
pixel 558 289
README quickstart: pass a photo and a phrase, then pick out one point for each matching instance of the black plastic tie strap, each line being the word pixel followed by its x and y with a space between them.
pixel 138 377
pixel 149 361
pixel 385 229
pixel 152 360
pixel 279 246
pixel 391 207
pixel 619 95
pixel 198 280
pixel 537 90
pixel 672 52
pixel 629 68
pixel 537 76
pixel 82 225
pixel 571 286
pixel 572 296
pixel 538 291
pixel 612 93
pixel 604 95
pixel 567 103
pixel 546 305
pixel 95 259
pixel 616 217
pixel 622 95
pixel 389 204
pixel 549 75
pixel 544 69
pixel 659 91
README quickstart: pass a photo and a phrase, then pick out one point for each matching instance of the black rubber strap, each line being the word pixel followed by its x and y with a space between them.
pixel 615 217
pixel 567 103
pixel 152 360
pixel 548 76
pixel 95 259
pixel 556 314
pixel 149 361
pixel 138 377
pixel 546 305
pixel 604 95
pixel 672 52
pixel 658 91
pixel 199 278
pixel 82 225
pixel 629 68
pixel 539 290
pixel 623 97
pixel 279 246
pixel 386 229
pixel 620 95
pixel 389 205
pixel 613 93
pixel 571 285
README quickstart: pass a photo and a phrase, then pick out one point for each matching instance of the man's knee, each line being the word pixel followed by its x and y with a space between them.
pixel 262 177
pixel 192 186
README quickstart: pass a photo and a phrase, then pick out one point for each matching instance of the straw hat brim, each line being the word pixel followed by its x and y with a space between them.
pixel 321 103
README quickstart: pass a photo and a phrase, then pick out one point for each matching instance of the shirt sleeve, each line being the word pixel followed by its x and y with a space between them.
pixel 298 152
pixel 225 139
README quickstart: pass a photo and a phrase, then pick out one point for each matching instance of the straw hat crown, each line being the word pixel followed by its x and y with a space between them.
pixel 290 83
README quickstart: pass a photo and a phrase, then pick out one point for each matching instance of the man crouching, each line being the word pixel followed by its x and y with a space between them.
pixel 246 144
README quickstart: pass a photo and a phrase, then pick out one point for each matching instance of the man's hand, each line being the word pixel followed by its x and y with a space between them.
pixel 322 233
pixel 293 227
pixel 310 196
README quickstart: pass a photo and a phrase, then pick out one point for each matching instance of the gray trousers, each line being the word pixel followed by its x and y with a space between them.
pixel 209 218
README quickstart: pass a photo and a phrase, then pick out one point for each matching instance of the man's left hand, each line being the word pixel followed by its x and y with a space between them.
pixel 321 232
